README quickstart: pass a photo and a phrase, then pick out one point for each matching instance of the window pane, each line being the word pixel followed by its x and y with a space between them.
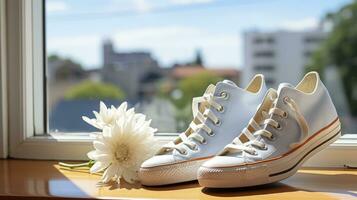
pixel 146 53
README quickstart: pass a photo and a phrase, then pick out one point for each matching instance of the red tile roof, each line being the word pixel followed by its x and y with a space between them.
pixel 186 71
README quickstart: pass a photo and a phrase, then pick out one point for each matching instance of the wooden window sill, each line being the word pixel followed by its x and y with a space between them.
pixel 46 180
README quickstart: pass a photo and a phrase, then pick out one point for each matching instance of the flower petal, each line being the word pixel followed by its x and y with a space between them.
pixel 92 122
pixel 98 166
pixel 123 106
pixel 91 154
pixel 86 119
pixel 130 175
pixel 97 115
pixel 140 117
pixel 107 131
pixel 102 107
pixel 100 146
pixel 109 173
pixel 99 156
pixel 103 157
pixel 130 112
pixel 113 108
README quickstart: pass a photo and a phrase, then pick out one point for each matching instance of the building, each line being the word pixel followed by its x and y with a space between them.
pixel 134 72
pixel 281 56
pixel 62 74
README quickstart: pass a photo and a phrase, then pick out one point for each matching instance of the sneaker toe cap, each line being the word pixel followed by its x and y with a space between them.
pixel 223 161
pixel 159 160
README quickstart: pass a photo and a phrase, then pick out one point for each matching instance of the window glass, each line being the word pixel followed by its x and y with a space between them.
pixel 157 55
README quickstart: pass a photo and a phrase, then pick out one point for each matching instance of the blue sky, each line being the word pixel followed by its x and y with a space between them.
pixel 172 30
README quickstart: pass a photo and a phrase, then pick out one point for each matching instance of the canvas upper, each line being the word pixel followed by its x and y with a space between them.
pixel 238 106
pixel 312 110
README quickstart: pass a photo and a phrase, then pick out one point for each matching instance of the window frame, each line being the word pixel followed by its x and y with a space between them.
pixel 3 85
pixel 25 102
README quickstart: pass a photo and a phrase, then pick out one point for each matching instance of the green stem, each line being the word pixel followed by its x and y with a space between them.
pixel 73 166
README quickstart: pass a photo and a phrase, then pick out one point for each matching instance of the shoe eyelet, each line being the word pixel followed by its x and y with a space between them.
pixel 204 141
pixel 286 99
pixel 184 152
pixel 272 138
pixel 194 148
pixel 211 134
pixel 218 123
pixel 221 109
pixel 253 154
pixel 285 115
pixel 265 148
pixel 279 127
pixel 224 95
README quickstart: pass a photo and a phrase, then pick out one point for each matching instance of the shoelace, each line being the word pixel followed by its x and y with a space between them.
pixel 198 122
pixel 249 147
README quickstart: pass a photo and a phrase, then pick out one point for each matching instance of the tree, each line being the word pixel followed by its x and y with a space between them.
pixel 189 87
pixel 65 68
pixel 194 86
pixel 198 59
pixel 340 50
pixel 94 90
pixel 53 57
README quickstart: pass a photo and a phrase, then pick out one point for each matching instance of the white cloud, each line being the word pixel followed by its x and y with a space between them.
pixel 84 49
pixel 168 44
pixel 142 5
pixel 145 6
pixel 139 6
pixel 299 25
pixel 178 43
pixel 188 2
pixel 73 41
pixel 56 6
pixel 161 35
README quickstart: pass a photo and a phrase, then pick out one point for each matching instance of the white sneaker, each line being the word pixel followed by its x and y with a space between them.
pixel 218 116
pixel 300 122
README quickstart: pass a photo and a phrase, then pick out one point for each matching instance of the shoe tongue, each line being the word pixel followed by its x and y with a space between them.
pixel 284 85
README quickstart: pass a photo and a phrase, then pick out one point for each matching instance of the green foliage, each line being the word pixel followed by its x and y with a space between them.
pixel 53 57
pixel 198 60
pixel 94 90
pixel 189 87
pixel 164 88
pixel 194 86
pixel 340 50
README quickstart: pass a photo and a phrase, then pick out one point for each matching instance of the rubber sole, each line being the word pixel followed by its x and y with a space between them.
pixel 264 172
pixel 170 174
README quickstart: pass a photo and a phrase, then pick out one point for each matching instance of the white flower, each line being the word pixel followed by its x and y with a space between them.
pixel 106 116
pixel 123 146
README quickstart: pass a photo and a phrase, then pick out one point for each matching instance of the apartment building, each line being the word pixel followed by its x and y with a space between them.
pixel 281 55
